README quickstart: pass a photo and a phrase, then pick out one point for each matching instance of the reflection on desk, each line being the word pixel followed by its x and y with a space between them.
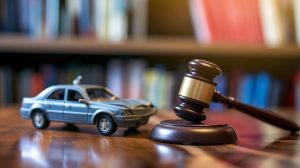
pixel 61 145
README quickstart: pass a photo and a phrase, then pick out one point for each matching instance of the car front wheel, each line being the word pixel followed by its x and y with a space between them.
pixel 39 120
pixel 106 125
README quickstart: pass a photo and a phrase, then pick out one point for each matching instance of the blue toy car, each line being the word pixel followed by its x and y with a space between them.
pixel 86 104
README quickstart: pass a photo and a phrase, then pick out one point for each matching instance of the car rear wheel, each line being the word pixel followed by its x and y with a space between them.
pixel 106 125
pixel 39 120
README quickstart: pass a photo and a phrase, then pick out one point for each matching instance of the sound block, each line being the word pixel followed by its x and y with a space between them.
pixel 188 133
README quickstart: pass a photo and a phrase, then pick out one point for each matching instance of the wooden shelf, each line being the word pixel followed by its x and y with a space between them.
pixel 150 47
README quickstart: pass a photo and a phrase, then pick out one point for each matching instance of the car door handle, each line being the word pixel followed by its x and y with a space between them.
pixel 68 106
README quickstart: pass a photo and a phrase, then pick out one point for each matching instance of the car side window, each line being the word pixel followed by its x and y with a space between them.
pixel 57 95
pixel 74 95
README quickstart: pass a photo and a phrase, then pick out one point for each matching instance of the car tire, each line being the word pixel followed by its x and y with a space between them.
pixel 105 125
pixel 39 120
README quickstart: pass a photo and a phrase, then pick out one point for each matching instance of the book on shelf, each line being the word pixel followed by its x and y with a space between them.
pixel 296 13
pixel 159 86
pixel 277 21
pixel 9 16
pixel 273 23
pixel 116 77
pixel 24 81
pixel 276 93
pixel 262 90
pixel 200 23
pixel 233 83
pixel 6 89
pixel 35 18
pixel 297 89
pixel 37 83
pixel 235 21
pixel 85 23
pixel 52 19
pixel 49 73
pixel 138 18
pixel 100 18
pixel 246 88
pixel 292 97
pixel 134 72
pixel 117 22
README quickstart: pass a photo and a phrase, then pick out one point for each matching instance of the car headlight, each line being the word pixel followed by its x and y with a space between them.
pixel 149 104
pixel 127 111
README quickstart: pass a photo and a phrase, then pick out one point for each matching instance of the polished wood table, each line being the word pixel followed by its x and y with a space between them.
pixel 61 145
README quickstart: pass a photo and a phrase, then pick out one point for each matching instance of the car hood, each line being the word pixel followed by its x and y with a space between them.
pixel 127 103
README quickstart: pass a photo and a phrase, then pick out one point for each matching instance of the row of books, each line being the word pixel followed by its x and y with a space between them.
pixel 258 89
pixel 271 22
pixel 127 79
pixel 106 20
pixel 134 78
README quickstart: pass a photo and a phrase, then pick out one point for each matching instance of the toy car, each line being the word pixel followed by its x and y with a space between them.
pixel 86 104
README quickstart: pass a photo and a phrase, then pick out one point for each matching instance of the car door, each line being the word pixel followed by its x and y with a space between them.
pixel 54 104
pixel 75 111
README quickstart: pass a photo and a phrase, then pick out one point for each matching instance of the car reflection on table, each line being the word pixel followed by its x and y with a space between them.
pixel 44 149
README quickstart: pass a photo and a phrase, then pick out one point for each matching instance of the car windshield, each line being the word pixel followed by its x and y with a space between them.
pixel 100 94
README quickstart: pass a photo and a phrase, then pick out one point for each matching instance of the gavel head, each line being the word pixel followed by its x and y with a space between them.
pixel 197 89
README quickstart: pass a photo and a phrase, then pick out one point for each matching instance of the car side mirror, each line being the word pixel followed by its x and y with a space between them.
pixel 83 101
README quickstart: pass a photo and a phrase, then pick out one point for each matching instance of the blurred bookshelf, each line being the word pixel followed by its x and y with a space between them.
pixel 144 46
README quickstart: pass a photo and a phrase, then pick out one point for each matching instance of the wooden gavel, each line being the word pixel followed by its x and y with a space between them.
pixel 198 90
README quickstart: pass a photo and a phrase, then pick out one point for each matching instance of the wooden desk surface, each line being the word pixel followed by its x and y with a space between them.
pixel 259 145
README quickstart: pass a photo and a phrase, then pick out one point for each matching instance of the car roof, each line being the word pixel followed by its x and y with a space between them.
pixel 68 86
pixel 83 86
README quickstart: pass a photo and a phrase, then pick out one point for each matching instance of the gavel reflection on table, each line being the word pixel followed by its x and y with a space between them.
pixel 197 90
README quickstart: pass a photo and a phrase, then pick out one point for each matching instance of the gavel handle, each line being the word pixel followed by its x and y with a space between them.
pixel 263 115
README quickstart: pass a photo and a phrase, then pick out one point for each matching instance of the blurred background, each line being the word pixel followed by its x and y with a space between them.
pixel 140 48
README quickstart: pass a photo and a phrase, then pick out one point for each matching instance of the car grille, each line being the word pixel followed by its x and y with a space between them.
pixel 138 111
